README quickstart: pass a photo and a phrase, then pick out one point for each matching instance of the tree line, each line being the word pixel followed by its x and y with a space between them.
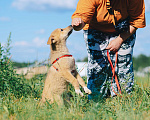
pixel 22 64
pixel 139 62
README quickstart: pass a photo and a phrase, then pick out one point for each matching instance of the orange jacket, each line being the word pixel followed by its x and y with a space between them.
pixel 96 16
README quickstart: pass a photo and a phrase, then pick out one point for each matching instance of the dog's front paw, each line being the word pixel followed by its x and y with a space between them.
pixel 87 90
pixel 79 92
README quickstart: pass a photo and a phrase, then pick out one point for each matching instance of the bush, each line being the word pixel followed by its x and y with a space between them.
pixel 10 82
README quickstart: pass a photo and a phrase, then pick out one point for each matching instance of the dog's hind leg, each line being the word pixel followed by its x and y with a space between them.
pixel 47 96
pixel 82 83
pixel 58 99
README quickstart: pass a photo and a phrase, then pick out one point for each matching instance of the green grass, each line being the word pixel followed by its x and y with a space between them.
pixel 143 82
pixel 134 106
pixel 20 99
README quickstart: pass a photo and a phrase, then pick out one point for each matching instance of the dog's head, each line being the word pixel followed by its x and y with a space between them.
pixel 59 35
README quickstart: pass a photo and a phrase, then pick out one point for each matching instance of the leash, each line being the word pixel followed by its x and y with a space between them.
pixel 111 12
pixel 113 72
pixel 58 59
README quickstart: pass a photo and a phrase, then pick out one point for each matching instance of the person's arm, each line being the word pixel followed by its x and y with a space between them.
pixel 125 35
pixel 83 14
pixel 115 44
pixel 136 10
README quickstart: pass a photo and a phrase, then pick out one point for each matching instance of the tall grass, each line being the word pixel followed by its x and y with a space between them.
pixel 20 99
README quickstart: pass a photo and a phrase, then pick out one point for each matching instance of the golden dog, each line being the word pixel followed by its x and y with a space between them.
pixel 63 70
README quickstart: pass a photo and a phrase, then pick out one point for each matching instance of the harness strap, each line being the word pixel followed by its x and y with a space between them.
pixel 113 71
pixel 55 68
pixel 58 59
pixel 61 57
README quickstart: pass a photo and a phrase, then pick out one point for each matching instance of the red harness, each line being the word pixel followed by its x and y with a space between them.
pixel 113 71
pixel 58 59
pixel 111 65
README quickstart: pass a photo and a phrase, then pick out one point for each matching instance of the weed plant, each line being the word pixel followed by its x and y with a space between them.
pixel 11 84
pixel 20 99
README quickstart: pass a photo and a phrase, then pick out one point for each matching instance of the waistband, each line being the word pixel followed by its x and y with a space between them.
pixel 90 31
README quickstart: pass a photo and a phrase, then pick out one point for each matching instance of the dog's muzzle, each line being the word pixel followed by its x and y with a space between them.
pixel 70 32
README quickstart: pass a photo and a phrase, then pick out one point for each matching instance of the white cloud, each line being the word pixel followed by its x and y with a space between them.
pixel 36 42
pixel 35 49
pixel 39 42
pixel 147 5
pixel 21 43
pixel 52 4
pixel 42 31
pixel 44 4
pixel 4 19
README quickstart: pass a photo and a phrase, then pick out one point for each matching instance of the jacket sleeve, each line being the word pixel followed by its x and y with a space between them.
pixel 85 10
pixel 136 11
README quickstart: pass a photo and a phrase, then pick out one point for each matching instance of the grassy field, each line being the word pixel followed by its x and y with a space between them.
pixel 129 107
pixel 20 99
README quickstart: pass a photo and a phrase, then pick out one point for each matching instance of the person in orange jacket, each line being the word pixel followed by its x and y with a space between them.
pixel 109 25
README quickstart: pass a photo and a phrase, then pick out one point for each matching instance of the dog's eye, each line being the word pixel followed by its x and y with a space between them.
pixel 61 29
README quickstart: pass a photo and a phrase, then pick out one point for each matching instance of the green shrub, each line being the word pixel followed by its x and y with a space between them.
pixel 10 82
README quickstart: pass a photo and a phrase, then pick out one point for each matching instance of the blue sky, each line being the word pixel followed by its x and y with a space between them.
pixel 32 21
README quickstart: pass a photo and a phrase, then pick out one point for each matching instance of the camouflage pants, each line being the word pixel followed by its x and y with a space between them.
pixel 99 71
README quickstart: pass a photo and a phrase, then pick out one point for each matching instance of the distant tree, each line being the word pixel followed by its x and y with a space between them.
pixel 79 60
pixel 141 61
pixel 22 64
pixel 85 59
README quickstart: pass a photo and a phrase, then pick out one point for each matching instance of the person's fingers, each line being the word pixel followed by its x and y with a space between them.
pixel 111 49
pixel 73 22
pixel 76 21
pixel 77 24
pixel 108 47
pixel 80 21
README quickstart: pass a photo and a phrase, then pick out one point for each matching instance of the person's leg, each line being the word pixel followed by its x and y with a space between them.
pixel 124 68
pixel 97 76
pixel 125 64
pixel 99 72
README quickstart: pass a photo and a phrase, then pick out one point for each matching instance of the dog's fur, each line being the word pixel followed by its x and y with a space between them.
pixel 57 81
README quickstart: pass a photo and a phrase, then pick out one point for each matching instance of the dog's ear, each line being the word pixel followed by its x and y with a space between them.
pixel 51 40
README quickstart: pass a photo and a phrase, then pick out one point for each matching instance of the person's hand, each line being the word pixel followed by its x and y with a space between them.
pixel 76 21
pixel 115 44
pixel 77 24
